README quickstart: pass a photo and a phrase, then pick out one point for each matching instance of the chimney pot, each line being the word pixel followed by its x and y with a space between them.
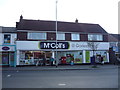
pixel 76 20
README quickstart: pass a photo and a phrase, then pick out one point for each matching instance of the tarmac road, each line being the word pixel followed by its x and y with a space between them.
pixel 98 78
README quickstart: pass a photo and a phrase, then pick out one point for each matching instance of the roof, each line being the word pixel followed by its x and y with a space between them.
pixel 8 29
pixel 117 36
pixel 111 38
pixel 42 25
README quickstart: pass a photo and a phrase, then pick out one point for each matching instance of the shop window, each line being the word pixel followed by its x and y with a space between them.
pixel 7 38
pixel 60 36
pixel 87 57
pixel 32 57
pixel 102 54
pixel 75 36
pixel 95 37
pixel 67 57
pixel 36 35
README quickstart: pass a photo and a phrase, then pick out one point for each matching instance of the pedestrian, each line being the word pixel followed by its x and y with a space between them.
pixel 51 61
pixel 37 63
pixel 102 61
pixel 115 60
pixel 118 60
pixel 72 62
pixel 97 59
pixel 44 61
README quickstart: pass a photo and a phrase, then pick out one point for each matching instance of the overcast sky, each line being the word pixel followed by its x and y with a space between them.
pixel 103 12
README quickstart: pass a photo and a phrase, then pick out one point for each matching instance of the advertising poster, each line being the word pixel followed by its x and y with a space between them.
pixel 87 56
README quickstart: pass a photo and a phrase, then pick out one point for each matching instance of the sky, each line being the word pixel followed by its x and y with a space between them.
pixel 102 12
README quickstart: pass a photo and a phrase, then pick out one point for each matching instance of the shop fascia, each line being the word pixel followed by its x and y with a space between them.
pixel 73 45
pixel 36 45
pixel 7 47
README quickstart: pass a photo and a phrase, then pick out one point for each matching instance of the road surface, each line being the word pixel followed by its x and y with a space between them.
pixel 101 78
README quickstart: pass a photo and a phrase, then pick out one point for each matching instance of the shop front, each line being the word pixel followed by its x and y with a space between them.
pixel 101 50
pixel 8 55
pixel 29 52
pixel 80 57
pixel 31 57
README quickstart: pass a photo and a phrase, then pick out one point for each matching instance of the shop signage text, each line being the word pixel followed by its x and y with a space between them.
pixel 53 45
pixel 85 46
pixel 5 48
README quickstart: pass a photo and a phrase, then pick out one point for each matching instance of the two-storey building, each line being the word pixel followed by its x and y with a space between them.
pixel 36 40
pixel 114 51
pixel 7 46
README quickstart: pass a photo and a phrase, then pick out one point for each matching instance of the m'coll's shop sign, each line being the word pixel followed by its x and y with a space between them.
pixel 54 45
pixel 72 45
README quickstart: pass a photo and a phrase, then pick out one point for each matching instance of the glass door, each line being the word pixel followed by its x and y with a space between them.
pixel 11 55
pixel 5 58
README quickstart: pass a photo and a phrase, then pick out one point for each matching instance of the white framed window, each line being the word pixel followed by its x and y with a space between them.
pixel 96 37
pixel 32 35
pixel 75 36
pixel 60 36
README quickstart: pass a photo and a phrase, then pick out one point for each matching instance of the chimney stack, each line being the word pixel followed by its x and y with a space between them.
pixel 21 17
pixel 76 20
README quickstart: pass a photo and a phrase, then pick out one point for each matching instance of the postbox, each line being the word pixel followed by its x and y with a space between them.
pixel 63 60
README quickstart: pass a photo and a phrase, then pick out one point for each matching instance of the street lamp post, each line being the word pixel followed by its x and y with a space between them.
pixel 56 35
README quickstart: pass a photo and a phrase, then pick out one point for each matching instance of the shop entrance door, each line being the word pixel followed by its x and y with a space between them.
pixel 12 59
pixel 48 55
pixel 5 58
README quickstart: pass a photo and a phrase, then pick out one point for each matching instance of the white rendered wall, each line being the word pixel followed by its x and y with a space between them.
pixel 84 56
pixel 13 38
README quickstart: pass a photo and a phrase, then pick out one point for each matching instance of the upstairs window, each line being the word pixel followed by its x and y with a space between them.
pixel 75 36
pixel 7 38
pixel 60 36
pixel 36 35
pixel 95 37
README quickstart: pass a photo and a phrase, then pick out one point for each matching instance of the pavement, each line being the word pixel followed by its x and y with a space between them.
pixel 60 67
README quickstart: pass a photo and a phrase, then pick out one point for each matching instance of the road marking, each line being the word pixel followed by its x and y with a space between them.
pixel 8 75
pixel 61 84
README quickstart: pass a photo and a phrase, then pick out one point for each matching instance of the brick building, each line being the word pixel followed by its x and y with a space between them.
pixel 36 40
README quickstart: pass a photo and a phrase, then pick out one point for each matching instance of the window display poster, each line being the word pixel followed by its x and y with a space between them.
pixel 78 57
pixel 87 56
